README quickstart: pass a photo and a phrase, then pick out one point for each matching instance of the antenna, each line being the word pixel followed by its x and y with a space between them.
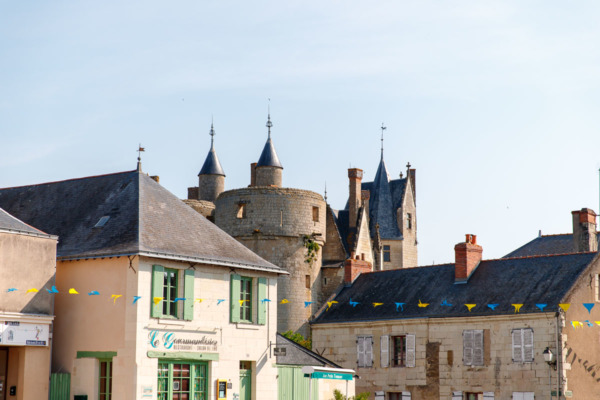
pixel 383 128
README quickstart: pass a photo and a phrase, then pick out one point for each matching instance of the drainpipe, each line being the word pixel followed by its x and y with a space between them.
pixel 558 358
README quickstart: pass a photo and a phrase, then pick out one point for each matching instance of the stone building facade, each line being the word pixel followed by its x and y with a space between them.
pixel 298 231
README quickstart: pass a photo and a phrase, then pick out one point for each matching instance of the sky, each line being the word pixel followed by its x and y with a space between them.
pixel 494 103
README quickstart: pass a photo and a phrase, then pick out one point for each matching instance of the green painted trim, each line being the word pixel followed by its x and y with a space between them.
pixel 183 355
pixel 106 355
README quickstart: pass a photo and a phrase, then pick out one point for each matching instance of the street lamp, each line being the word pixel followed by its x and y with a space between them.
pixel 550 358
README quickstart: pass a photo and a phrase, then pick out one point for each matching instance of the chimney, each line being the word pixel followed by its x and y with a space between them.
pixel 354 201
pixel 354 267
pixel 585 237
pixel 365 195
pixel 253 174
pixel 467 258
pixel 155 178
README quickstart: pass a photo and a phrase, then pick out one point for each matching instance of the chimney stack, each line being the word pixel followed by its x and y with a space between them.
pixel 354 202
pixel 585 236
pixel 467 258
pixel 353 267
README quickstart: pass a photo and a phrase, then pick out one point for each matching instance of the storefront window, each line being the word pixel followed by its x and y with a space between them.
pixel 182 381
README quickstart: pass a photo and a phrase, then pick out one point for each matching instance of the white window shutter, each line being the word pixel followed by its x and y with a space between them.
pixel 385 351
pixel 368 351
pixel 468 347
pixel 529 396
pixel 518 396
pixel 517 343
pixel 410 351
pixel 488 395
pixel 406 396
pixel 527 345
pixel 478 347
pixel 360 351
pixel 457 396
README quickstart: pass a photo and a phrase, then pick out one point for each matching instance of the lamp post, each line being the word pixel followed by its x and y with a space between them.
pixel 550 358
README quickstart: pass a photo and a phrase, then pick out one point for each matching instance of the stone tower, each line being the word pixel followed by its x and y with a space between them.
pixel 284 226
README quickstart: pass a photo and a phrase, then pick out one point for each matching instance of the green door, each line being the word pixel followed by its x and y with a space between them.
pixel 245 380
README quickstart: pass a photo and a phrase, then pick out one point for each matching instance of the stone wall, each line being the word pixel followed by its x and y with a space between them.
pixel 409 245
pixel 439 369
pixel 206 208
pixel 210 187
pixel 268 176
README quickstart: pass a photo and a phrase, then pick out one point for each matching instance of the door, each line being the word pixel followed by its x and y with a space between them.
pixel 245 380
pixel 3 372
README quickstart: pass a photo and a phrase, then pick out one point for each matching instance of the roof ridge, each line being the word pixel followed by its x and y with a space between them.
pixel 70 180
pixel 542 255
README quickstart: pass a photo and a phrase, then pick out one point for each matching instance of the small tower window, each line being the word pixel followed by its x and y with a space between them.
pixel 308 281
pixel 408 221
pixel 387 254
pixel 315 214
pixel 241 212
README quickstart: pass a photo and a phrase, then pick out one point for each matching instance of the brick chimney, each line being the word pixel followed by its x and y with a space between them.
pixel 467 258
pixel 585 237
pixel 354 201
pixel 354 267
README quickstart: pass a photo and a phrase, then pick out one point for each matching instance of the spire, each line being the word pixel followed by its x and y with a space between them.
pixel 211 165
pixel 268 157
pixel 383 128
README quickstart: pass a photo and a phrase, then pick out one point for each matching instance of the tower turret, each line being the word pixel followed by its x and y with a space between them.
pixel 211 178
pixel 268 169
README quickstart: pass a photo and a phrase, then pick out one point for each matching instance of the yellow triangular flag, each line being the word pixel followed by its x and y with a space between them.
pixel 199 300
pixel 377 304
pixel 32 290
pixel 517 307
pixel 115 297
pixel 565 306
pixel 329 304
pixel 422 305
pixel 73 291
pixel 470 306
pixel 597 323
pixel 242 302
pixel 576 324
pixel 158 300
pixel 284 301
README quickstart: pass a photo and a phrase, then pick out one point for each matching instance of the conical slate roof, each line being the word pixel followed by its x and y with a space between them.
pixel 269 158
pixel 126 213
pixel 381 205
pixel 211 165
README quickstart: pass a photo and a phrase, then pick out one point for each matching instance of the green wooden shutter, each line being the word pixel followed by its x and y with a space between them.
pixel 157 290
pixel 234 298
pixel 188 293
pixel 262 305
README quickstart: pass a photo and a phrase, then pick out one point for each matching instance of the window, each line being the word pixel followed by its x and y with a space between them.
pixel 246 300
pixel 399 358
pixel 167 287
pixel 105 380
pixel 523 396
pixel 241 212
pixel 324 281
pixel 473 347
pixel 307 281
pixel 315 214
pixel 364 351
pixel 401 348
pixel 408 221
pixel 522 345
pixel 399 396
pixel 387 256
pixel 182 380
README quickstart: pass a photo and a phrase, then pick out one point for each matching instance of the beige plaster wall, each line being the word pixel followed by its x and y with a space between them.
pixel 439 369
pixel 27 262
pixel 396 259
pixel 409 252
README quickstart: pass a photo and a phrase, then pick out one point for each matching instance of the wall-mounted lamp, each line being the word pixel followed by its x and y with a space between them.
pixel 549 357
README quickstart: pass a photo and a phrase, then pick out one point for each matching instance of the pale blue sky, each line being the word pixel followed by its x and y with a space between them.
pixel 494 103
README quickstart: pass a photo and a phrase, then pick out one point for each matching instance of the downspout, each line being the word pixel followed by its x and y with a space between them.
pixel 558 356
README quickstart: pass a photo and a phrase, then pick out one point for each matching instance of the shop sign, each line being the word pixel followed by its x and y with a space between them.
pixel 179 341
pixel 16 333
pixel 331 375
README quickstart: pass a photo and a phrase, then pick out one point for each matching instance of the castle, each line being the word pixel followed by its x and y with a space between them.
pixel 320 247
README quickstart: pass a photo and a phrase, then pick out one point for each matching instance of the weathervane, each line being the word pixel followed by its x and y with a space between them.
pixel 383 128
pixel 212 134
pixel 140 150
pixel 269 123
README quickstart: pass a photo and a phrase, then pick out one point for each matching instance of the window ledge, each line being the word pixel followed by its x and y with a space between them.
pixel 252 327
pixel 169 321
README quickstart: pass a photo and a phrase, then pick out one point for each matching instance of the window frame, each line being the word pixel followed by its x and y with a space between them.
pixel 473 354
pixel 169 306
pixel 107 394
pixel 258 293
pixel 399 358
pixel 246 294
pixel 185 289
pixel 408 221
pixel 170 378
pixel 366 350
pixel 387 253
pixel 522 346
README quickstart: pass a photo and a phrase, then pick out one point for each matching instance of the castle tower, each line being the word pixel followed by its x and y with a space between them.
pixel 268 170
pixel 211 178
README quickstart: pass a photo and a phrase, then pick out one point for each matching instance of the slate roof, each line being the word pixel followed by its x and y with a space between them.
pixel 386 197
pixel 507 281
pixel 12 224
pixel 546 245
pixel 341 218
pixel 211 165
pixel 143 218
pixel 268 157
pixel 300 355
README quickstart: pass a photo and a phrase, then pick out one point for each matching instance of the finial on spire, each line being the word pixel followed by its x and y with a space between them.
pixel 383 128
pixel 212 134
pixel 325 192
pixel 408 169
pixel 140 150
pixel 269 123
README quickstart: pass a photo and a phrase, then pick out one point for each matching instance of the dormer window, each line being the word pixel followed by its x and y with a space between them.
pixel 102 221
pixel 408 221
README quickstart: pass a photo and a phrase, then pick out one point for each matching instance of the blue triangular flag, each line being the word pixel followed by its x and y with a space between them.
pixel 445 303
pixel 541 306
pixel 12 290
pixel 401 305
pixel 588 306
pixel 219 301
pixel 265 300
pixel 493 306
pixel 93 293
pixel 136 298
pixel 179 299
pixel 307 303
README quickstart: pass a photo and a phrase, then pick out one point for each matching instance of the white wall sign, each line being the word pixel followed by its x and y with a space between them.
pixel 181 341
pixel 15 333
